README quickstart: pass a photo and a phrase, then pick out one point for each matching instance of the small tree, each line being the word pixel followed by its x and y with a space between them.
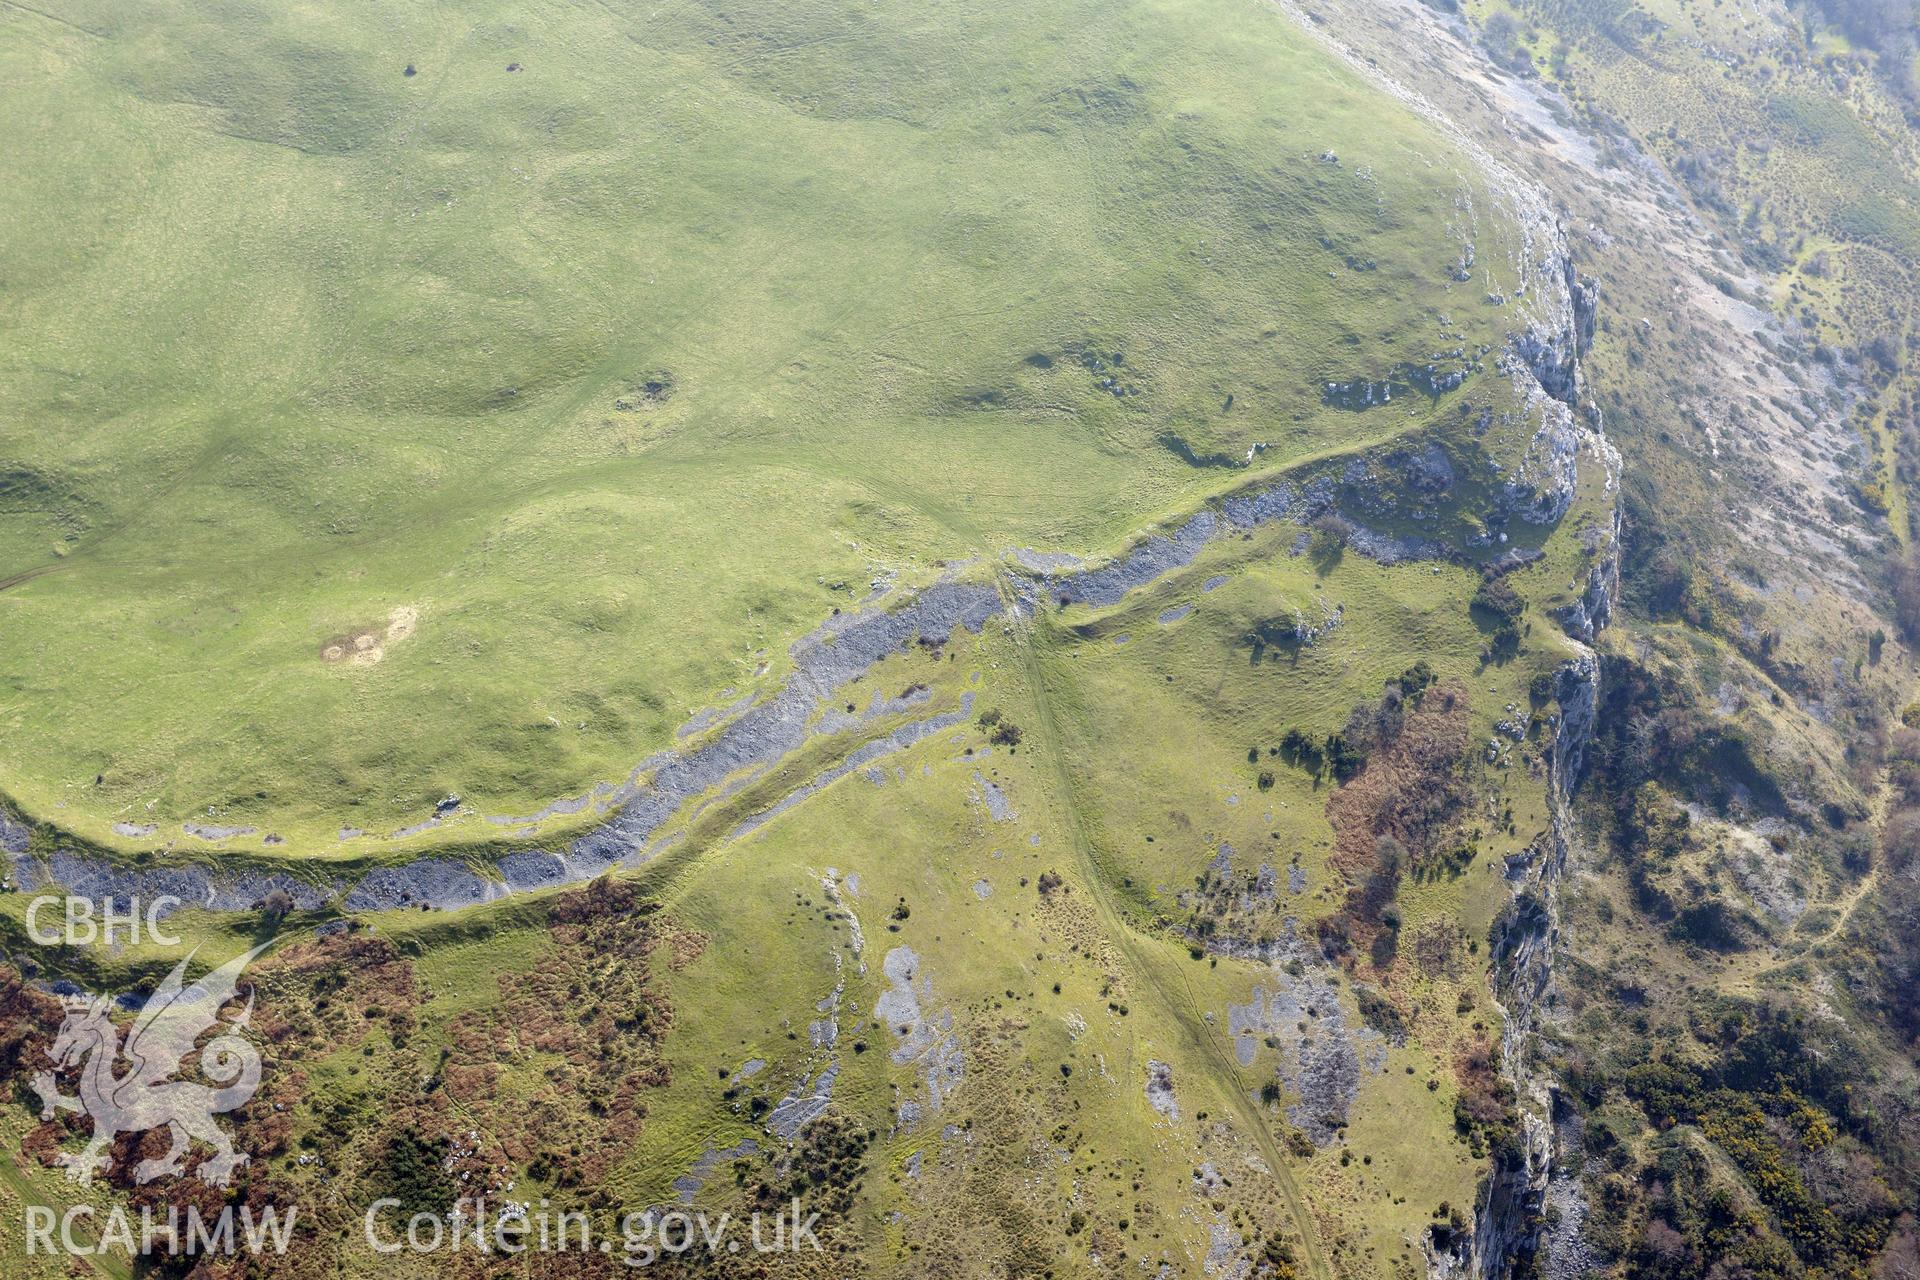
pixel 1329 541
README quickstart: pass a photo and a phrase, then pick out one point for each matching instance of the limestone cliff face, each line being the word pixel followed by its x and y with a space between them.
pixel 1543 360
pixel 1553 354
pixel 1510 1219
pixel 1587 616
pixel 1510 1223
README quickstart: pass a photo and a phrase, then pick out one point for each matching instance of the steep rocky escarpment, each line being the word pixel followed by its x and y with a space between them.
pixel 1726 905
pixel 1510 1224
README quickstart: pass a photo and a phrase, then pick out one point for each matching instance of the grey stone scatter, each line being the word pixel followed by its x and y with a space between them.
pixel 998 806
pixel 1160 1089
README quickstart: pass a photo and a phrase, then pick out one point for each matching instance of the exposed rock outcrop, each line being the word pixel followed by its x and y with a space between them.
pixel 191 885
pixel 13 834
pixel 1510 1219
pixel 760 734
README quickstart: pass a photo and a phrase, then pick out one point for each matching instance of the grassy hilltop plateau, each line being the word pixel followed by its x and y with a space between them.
pixel 1221 638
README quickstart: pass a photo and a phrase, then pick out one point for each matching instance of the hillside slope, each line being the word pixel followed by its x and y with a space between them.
pixel 1178 637
pixel 400 404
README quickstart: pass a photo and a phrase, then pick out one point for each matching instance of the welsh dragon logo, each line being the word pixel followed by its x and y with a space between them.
pixel 145 1094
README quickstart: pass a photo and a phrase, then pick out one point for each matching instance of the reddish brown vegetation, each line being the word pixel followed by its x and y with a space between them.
pixel 1393 815
pixel 28 1019
pixel 585 1025
pixel 1485 1097
pixel 588 1017
pixel 1411 788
